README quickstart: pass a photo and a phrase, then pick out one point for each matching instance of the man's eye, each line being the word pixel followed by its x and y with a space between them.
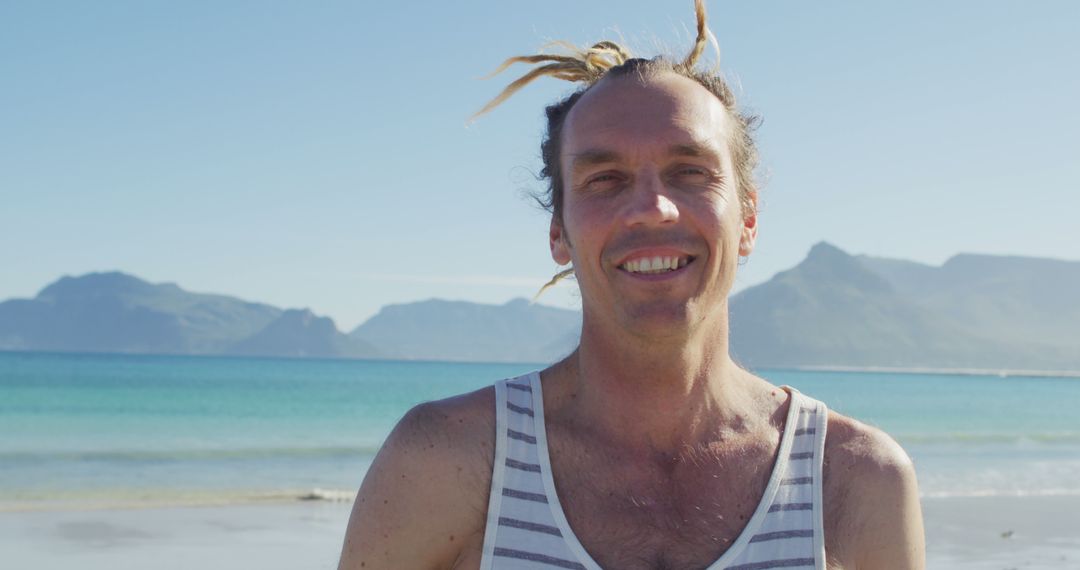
pixel 693 171
pixel 602 180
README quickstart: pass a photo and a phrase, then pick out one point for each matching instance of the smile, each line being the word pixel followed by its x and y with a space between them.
pixel 656 264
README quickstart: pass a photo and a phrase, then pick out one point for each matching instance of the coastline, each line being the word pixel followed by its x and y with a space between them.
pixel 167 500
pixel 1033 532
pixel 965 533
pixel 999 372
pixel 268 536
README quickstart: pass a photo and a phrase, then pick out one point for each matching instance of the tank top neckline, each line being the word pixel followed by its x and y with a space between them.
pixel 748 531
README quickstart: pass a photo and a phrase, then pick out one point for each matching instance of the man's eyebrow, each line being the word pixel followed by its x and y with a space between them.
pixel 693 150
pixel 592 157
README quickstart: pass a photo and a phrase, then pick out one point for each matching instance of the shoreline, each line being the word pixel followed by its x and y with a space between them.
pixel 1003 532
pixel 89 505
pixel 346 497
pixel 962 532
pixel 963 371
pixel 999 372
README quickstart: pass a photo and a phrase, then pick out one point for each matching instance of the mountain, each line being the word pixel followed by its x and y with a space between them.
pixel 1017 299
pixel 299 332
pixel 833 309
pixel 975 311
pixel 116 312
pixel 456 330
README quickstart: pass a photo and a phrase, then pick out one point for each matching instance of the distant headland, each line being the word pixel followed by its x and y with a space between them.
pixel 980 313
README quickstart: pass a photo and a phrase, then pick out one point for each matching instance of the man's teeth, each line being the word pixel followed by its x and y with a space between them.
pixel 656 264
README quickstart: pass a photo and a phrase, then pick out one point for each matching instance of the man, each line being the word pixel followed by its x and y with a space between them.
pixel 648 447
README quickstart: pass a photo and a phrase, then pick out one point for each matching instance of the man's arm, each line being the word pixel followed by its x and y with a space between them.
pixel 891 534
pixel 424 498
pixel 872 515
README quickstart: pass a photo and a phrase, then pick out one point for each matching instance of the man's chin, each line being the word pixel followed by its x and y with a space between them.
pixel 658 318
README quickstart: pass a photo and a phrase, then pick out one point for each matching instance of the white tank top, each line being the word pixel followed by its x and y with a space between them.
pixel 527 529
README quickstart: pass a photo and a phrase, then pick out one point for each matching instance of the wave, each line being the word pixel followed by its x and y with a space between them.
pixel 1071 492
pixel 1054 438
pixel 163 498
pixel 137 455
pixel 167 498
pixel 330 495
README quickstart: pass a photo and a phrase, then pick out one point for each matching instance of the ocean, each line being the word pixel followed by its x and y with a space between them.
pixel 88 431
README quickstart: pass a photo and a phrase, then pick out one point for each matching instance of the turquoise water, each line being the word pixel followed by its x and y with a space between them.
pixel 108 429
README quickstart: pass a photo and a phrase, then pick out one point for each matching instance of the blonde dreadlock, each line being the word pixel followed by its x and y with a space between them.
pixel 586 66
pixel 607 57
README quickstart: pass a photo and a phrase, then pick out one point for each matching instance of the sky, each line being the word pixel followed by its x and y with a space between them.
pixel 317 154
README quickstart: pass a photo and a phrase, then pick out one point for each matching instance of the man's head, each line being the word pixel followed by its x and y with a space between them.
pixel 651 214
pixel 740 140
pixel 650 158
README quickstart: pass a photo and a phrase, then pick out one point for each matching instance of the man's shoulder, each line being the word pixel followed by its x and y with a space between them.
pixel 430 479
pixel 450 429
pixel 869 488
pixel 858 453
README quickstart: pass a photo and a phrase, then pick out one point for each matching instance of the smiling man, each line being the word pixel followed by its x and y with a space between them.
pixel 648 447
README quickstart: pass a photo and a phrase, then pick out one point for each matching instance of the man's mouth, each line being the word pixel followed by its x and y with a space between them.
pixel 656 264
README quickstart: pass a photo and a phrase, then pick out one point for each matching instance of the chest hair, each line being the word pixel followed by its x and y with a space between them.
pixel 659 513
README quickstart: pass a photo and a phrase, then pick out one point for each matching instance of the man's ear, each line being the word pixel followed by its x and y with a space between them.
pixel 560 245
pixel 749 228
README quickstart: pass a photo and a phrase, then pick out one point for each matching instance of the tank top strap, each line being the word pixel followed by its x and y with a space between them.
pixel 521 529
pixel 793 531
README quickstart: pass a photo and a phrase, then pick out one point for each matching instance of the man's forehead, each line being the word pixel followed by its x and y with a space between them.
pixel 669 113
pixel 705 148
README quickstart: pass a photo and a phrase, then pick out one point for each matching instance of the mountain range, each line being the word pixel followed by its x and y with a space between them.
pixel 831 310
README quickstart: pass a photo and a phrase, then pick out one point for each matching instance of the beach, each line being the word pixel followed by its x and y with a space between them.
pixel 1003 532
pixel 962 533
pixel 268 536
pixel 123 461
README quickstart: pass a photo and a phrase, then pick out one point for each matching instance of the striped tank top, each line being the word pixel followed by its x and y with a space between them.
pixel 527 528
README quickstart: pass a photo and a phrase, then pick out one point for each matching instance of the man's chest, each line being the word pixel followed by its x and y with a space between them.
pixel 634 515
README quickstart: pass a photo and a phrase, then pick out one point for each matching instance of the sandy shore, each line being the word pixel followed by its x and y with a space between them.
pixel 961 533
pixel 1003 532
pixel 1000 372
pixel 301 535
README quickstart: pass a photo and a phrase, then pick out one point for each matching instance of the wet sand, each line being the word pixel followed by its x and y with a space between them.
pixel 962 533
pixel 301 535
pixel 1003 532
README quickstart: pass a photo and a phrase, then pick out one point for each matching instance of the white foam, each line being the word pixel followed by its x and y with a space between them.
pixel 1001 493
pixel 331 495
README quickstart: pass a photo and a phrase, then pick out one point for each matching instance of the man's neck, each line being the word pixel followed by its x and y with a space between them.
pixel 659 396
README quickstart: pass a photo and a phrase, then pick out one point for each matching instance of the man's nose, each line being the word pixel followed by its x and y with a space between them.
pixel 649 202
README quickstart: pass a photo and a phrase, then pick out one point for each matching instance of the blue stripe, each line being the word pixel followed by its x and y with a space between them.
pixel 522 466
pixel 519 409
pixel 526 525
pixel 512 434
pixel 525 495
pixel 791 507
pixel 536 557
pixel 787 563
pixel 781 534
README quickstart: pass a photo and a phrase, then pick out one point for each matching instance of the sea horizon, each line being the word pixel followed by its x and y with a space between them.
pixel 839 368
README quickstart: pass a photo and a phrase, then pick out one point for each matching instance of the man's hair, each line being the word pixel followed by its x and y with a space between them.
pixel 609 59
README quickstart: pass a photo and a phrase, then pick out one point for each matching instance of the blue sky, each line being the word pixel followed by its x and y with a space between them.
pixel 317 154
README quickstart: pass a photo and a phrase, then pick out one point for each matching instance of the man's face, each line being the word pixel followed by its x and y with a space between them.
pixel 647 175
